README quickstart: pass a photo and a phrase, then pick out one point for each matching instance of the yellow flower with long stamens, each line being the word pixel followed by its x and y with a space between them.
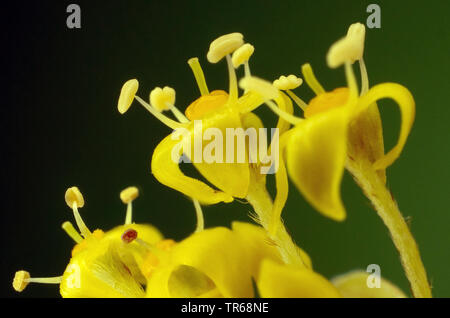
pixel 221 111
pixel 133 260
pixel 342 129
pixel 103 264
pixel 315 150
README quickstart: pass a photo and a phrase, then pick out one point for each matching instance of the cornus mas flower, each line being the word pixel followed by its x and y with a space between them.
pixel 219 110
pixel 342 128
pixel 133 260
pixel 103 264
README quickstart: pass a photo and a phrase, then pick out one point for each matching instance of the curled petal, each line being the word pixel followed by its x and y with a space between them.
pixel 229 169
pixel 315 155
pixel 99 272
pixel 405 101
pixel 283 281
pixel 356 285
pixel 166 170
pixel 218 259
pixel 365 138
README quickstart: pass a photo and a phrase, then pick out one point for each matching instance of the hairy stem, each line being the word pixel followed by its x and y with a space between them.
pixel 261 201
pixel 386 207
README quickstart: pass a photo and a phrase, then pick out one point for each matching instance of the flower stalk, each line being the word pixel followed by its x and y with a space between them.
pixel 262 203
pixel 387 208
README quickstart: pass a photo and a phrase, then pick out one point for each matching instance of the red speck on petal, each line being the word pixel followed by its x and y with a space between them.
pixel 129 236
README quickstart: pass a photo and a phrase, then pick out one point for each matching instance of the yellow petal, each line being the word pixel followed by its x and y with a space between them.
pixel 99 272
pixel 354 285
pixel 257 245
pixel 102 266
pixel 232 176
pixel 187 281
pixel 168 173
pixel 365 138
pixel 283 281
pixel 405 101
pixel 218 254
pixel 315 155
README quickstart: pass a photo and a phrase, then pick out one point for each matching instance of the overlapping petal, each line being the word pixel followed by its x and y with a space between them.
pixel 406 103
pixel 315 156
pixel 355 285
pixel 283 281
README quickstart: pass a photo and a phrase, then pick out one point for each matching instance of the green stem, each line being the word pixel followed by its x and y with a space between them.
pixel 386 207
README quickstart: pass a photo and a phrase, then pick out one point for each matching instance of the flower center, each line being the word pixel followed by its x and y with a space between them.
pixel 205 104
pixel 326 101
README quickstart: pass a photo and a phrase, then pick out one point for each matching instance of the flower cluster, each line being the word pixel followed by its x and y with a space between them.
pixel 338 129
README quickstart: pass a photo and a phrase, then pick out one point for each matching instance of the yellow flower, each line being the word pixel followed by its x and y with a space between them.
pixel 217 109
pixel 338 126
pixel 103 264
pixel 216 262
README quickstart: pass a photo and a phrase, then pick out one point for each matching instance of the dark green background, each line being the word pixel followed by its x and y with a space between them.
pixel 61 126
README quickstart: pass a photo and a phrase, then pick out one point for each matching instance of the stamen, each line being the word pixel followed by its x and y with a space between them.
pixel 127 196
pixel 127 94
pixel 290 82
pixel 162 98
pixel 129 236
pixel 233 90
pixel 364 77
pixel 311 79
pixel 74 199
pixel 350 48
pixel 163 118
pixel 356 34
pixel 178 114
pixel 199 75
pixel 281 113
pixel 260 86
pixel 200 220
pixel 268 92
pixel 223 46
pixel 70 230
pixel 22 279
pixel 242 54
pixel 297 100
pixel 351 82
pixel 247 69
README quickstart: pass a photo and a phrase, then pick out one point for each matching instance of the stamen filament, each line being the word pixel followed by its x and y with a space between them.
pixel 70 230
pixel 351 82
pixel 44 280
pixel 364 77
pixel 294 120
pixel 199 75
pixel 200 219
pixel 81 226
pixel 297 99
pixel 311 79
pixel 163 118
pixel 233 90
pixel 129 215
pixel 178 114
pixel 247 69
